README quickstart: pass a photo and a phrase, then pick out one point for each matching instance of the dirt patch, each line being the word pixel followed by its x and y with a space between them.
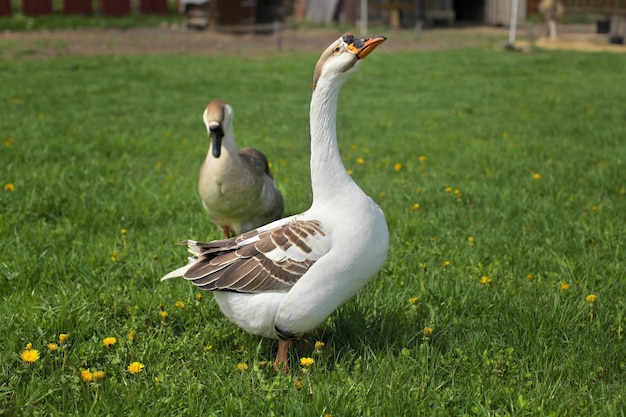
pixel 175 40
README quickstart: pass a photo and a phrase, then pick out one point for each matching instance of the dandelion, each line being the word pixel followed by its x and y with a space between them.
pixel 529 277
pixel 319 345
pixel 536 176
pixel 350 172
pixel 590 111
pixel 594 208
pixel 446 264
pixel 53 347
pixel 306 362
pixel 564 286
pixel 622 191
pixel 164 314
pixel 470 240
pixel 135 367
pixel 354 147
pixel 180 304
pixel 448 189
pixel 298 384
pixel 62 338
pixel 382 196
pixel 397 167
pixel 132 334
pixel 30 355
pixel 123 231
pixel 360 161
pixel 241 367
pixel 591 298
pixel 415 206
pixel 115 256
pixel 208 347
pixel 86 375
pixel 428 331
pixel 422 158
pixel 485 279
pixel 199 296
pixel 8 142
pixel 9 187
pixel 261 363
pixel 29 346
pixel 155 256
pixel 97 375
pixel 109 341
pixel 505 135
pixel 457 193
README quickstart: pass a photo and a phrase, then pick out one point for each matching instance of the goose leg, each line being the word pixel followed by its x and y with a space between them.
pixel 282 357
pixel 226 231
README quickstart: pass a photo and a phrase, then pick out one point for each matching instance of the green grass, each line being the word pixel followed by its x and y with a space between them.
pixel 94 145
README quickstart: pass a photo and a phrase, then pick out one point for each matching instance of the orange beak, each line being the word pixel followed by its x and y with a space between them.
pixel 362 47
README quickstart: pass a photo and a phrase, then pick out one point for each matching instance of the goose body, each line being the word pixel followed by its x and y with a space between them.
pixel 236 186
pixel 284 279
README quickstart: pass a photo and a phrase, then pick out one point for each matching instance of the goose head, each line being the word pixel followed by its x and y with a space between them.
pixel 218 119
pixel 343 57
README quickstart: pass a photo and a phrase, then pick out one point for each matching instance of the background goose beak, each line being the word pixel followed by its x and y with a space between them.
pixel 216 134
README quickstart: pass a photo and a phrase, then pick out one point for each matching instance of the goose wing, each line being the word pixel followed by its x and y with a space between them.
pixel 260 260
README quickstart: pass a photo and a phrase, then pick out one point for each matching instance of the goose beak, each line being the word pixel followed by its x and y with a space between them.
pixel 216 133
pixel 362 47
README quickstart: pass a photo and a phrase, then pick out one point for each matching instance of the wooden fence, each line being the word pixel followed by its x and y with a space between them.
pixel 87 7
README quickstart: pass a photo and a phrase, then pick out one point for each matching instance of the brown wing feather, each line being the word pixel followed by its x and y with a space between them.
pixel 232 265
pixel 256 159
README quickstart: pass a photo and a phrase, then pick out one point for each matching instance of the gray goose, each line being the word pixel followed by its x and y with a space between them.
pixel 237 189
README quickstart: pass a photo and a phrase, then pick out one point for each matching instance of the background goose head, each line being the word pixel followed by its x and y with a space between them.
pixel 343 57
pixel 218 119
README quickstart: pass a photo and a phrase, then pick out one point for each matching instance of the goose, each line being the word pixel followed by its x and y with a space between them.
pixel 236 186
pixel 284 279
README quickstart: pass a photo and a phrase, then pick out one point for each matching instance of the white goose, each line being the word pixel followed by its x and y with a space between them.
pixel 236 186
pixel 284 279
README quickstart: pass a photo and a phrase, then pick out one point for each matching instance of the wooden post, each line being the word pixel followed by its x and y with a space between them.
pixel 77 7
pixel 115 7
pixel 36 7
pixel 5 7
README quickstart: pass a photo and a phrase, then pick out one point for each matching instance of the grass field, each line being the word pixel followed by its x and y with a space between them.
pixel 502 176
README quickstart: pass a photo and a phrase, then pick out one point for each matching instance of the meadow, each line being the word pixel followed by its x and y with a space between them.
pixel 502 176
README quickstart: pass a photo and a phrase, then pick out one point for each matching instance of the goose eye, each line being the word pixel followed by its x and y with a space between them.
pixel 337 48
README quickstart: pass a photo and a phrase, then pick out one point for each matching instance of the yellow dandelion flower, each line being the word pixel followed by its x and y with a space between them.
pixel 319 345
pixel 350 172
pixel 505 135
pixel 448 189
pixel 52 347
pixel 109 341
pixel 590 111
pixel 415 206
pixel 298 384
pixel 529 277
pixel 8 142
pixel 208 347
pixel 413 300
pixel 422 158
pixel 62 338
pixel 261 363
pixel 594 208
pixel 366 150
pixel 536 176
pixel 360 161
pixel 164 314
pixel 155 256
pixel 354 147
pixel 115 256
pixel 180 304
pixel 485 279
pixel 123 231
pixel 446 264
pixel 591 298
pixel 242 367
pixel 97 375
pixel 428 331
pixel 457 192
pixel 135 367
pixel 564 286
pixel 30 355
pixel 470 239
pixel 29 346
pixel 622 191
pixel 306 362
pixel 397 167
pixel 9 187
pixel 199 296
pixel 132 334
pixel 328 415
pixel 86 375
pixel 382 196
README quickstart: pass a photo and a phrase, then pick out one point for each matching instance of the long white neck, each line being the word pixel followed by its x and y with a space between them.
pixel 328 174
